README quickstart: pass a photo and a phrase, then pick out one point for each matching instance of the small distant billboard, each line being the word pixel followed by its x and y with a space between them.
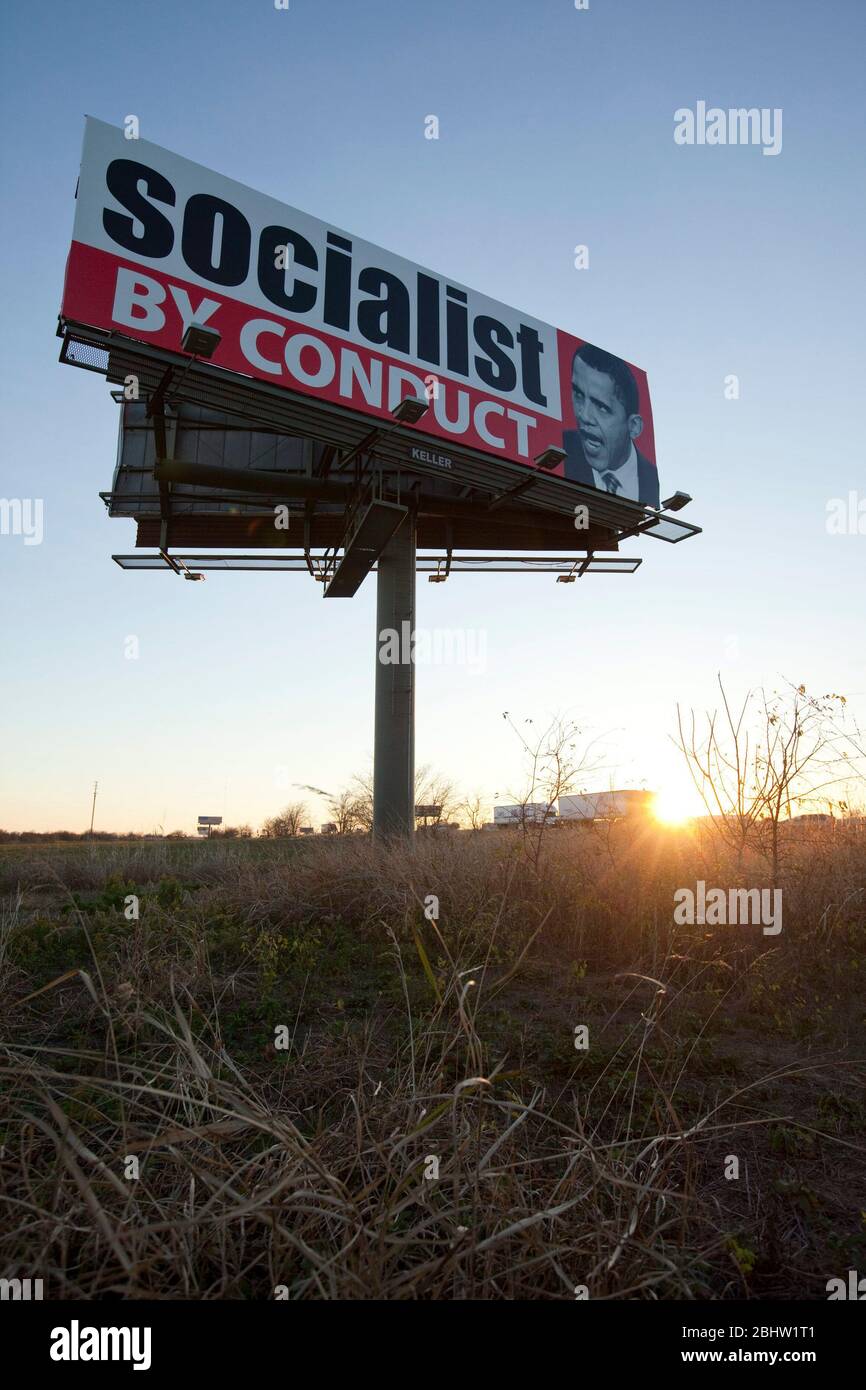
pixel 171 255
pixel 427 812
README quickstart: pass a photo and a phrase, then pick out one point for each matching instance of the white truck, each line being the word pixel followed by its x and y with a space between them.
pixel 613 805
pixel 533 813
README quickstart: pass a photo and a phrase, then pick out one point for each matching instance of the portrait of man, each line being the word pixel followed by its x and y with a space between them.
pixel 601 452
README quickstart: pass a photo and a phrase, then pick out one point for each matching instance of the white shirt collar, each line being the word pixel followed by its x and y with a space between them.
pixel 626 475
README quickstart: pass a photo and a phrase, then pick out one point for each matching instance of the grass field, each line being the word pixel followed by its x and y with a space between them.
pixel 283 1080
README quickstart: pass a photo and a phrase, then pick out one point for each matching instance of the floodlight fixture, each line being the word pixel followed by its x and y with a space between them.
pixel 410 409
pixel 443 569
pixel 179 566
pixel 676 503
pixel 200 340
pixel 549 458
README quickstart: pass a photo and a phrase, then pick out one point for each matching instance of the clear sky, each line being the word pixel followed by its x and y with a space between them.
pixel 556 129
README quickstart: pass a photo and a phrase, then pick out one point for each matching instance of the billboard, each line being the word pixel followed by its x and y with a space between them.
pixel 160 242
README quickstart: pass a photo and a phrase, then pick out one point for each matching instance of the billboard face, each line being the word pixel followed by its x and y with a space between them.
pixel 159 241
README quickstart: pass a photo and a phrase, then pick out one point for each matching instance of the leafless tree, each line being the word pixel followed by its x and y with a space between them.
pixel 800 760
pixel 346 813
pixel 753 764
pixel 431 789
pixel 557 762
pixel 361 789
pixel 472 811
pixel 287 822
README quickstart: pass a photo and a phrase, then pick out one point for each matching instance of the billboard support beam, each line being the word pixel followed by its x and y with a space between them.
pixel 394 732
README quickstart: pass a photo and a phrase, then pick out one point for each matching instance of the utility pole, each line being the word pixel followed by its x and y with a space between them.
pixel 394 742
pixel 93 808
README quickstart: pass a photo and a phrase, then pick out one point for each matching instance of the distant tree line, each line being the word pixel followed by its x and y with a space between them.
pixel 348 812
pixel 27 837
pixel 754 765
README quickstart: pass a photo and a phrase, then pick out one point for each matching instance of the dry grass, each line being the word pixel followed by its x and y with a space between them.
pixel 307 1169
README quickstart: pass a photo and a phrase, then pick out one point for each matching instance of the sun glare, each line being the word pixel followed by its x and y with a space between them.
pixel 672 807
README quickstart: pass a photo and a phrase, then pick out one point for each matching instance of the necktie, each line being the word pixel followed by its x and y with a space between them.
pixel 611 482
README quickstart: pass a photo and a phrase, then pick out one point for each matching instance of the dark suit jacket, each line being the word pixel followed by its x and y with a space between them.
pixel 579 469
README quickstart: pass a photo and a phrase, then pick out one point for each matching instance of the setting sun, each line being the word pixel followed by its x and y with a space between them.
pixel 673 807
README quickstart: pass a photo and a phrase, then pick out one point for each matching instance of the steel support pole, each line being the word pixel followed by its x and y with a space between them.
pixel 394 741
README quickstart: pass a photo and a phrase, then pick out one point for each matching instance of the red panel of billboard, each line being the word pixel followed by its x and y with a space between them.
pixel 160 242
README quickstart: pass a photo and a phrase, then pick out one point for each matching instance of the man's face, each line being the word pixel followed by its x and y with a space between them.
pixel 606 431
